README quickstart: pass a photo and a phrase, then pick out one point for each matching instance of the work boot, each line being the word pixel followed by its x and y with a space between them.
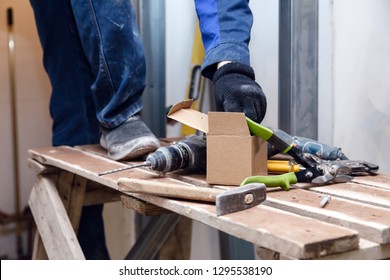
pixel 131 140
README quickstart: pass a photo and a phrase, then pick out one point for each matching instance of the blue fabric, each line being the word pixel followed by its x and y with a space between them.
pixel 113 46
pixel 71 105
pixel 225 26
pixel 94 58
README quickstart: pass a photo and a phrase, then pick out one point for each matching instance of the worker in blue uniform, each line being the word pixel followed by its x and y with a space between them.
pixel 95 61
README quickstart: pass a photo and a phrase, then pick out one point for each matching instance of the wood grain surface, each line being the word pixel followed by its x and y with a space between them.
pixel 355 222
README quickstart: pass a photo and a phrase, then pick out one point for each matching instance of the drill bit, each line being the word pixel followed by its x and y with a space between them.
pixel 144 164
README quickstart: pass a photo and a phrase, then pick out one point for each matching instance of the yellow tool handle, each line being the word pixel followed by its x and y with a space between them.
pixel 282 166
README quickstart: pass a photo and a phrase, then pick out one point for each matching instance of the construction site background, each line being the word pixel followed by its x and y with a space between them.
pixel 354 99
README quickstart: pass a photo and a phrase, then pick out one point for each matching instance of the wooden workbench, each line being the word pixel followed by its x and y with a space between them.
pixel 354 225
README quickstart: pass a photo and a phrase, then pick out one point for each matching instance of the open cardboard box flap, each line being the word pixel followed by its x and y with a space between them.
pixel 183 113
pixel 215 123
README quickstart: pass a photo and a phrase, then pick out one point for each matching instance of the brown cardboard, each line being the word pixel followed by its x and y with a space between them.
pixel 222 123
pixel 183 113
pixel 232 153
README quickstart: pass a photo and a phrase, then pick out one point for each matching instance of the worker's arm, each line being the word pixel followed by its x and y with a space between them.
pixel 225 28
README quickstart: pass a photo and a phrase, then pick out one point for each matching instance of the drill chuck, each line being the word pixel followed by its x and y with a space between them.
pixel 189 154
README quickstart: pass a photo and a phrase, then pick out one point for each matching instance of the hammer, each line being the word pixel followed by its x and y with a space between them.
pixel 226 201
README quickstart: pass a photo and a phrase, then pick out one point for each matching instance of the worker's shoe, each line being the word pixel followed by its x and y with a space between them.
pixel 131 140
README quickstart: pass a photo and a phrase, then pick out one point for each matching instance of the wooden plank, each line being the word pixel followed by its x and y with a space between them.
pixel 266 226
pixel 182 175
pixel 95 149
pixel 76 201
pixel 357 192
pixel 71 189
pixel 80 163
pixel 69 159
pixel 101 195
pixel 367 251
pixel 178 244
pixel 298 244
pixel 64 187
pixel 379 181
pixel 40 168
pixel 89 165
pixel 267 254
pixel 372 223
pixel 52 221
pixel 142 207
pixel 38 252
pixel 277 230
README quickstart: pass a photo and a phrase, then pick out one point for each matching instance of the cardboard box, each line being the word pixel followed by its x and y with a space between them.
pixel 232 153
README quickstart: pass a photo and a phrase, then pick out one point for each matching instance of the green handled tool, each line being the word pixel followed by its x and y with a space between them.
pixel 283 180
pixel 278 138
pixel 282 142
pixel 314 169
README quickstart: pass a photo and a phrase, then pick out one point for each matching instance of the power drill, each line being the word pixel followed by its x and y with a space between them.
pixel 188 153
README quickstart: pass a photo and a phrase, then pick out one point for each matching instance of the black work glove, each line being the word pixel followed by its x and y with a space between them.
pixel 235 90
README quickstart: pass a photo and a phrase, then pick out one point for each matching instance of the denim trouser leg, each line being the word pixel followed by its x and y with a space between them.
pixel 113 47
pixel 71 105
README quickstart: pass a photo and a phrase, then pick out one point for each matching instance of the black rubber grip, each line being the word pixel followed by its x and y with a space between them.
pixel 10 17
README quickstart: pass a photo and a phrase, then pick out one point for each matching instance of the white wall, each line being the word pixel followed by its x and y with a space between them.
pixel 264 53
pixel 32 93
pixel 325 71
pixel 180 26
pixel 362 79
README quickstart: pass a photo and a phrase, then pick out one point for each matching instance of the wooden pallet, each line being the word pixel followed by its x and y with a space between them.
pixel 355 224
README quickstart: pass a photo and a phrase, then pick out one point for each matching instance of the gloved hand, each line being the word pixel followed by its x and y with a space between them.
pixel 235 90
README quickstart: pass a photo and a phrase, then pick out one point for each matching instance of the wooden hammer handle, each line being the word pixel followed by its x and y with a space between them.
pixel 168 189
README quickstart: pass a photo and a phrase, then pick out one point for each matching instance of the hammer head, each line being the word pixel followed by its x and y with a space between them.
pixel 240 198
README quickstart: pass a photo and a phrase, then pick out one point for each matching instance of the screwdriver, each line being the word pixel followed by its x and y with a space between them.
pixel 189 154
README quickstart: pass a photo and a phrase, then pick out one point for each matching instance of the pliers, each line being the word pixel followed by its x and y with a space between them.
pixel 313 169
pixel 317 171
